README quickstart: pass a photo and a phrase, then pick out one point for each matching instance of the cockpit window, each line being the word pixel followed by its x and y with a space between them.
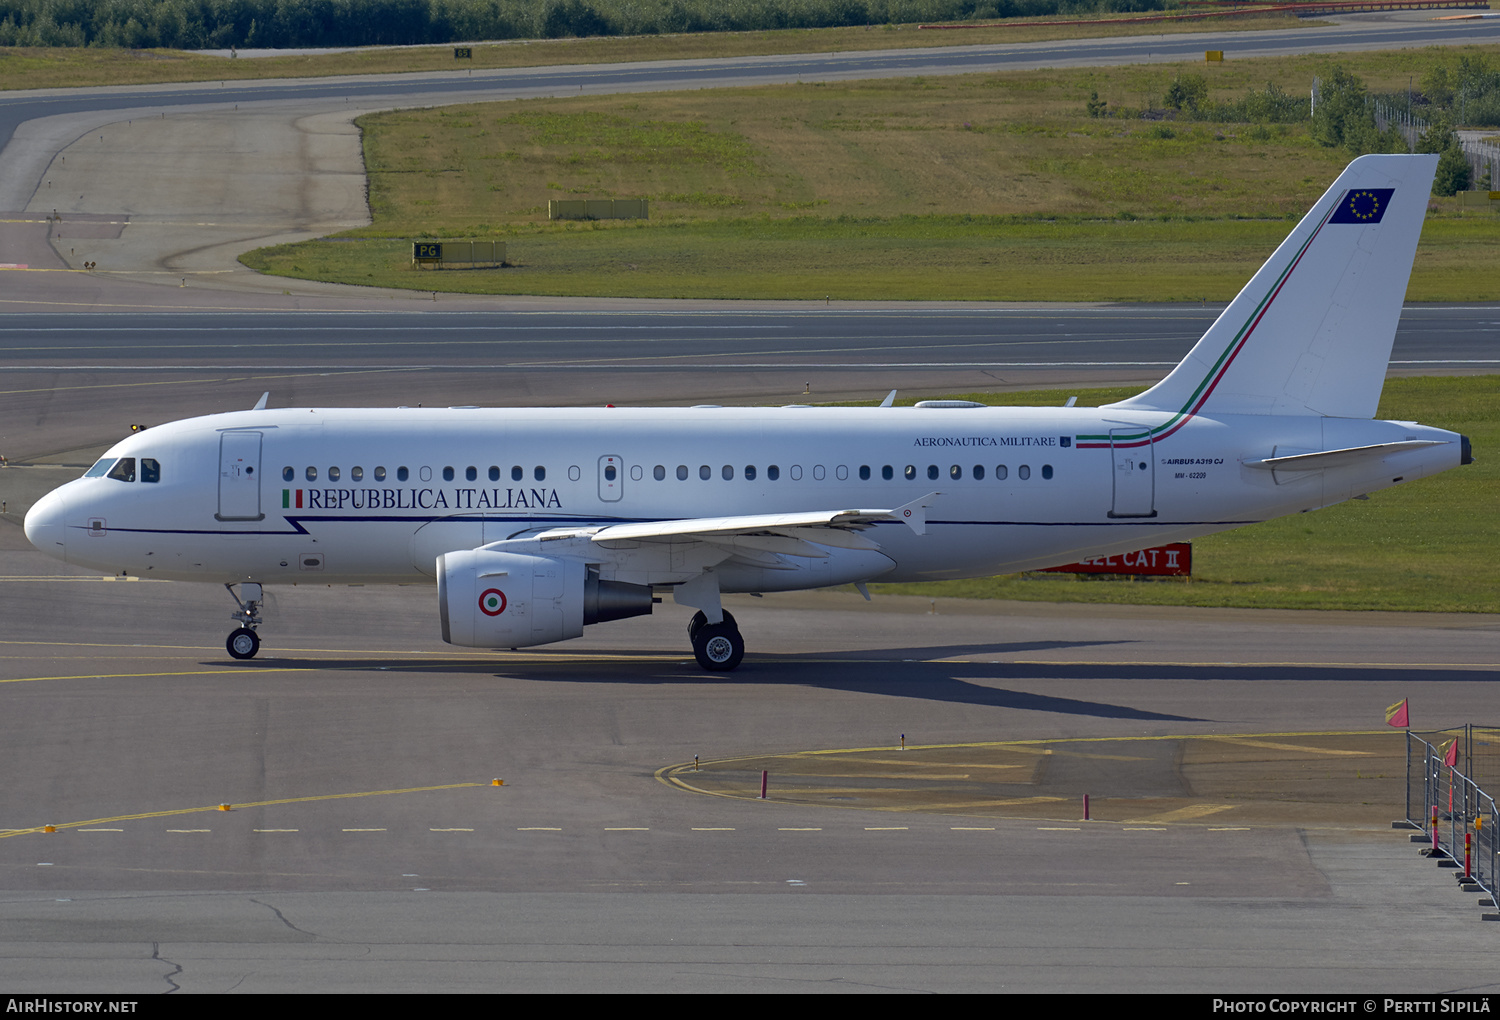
pixel 150 469
pixel 97 471
pixel 124 470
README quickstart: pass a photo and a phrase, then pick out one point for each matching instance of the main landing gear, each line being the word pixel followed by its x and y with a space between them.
pixel 717 646
pixel 243 642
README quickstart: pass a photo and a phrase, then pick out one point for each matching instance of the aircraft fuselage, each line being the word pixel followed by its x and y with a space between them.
pixel 374 496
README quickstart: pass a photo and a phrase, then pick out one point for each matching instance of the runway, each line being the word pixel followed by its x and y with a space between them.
pixel 151 368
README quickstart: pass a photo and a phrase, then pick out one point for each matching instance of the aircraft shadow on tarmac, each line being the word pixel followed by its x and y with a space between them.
pixel 917 673
pixel 898 673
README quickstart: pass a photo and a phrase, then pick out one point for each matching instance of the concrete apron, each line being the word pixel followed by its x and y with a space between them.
pixel 182 196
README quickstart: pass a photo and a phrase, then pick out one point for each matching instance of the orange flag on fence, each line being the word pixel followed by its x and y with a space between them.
pixel 1450 757
pixel 1396 714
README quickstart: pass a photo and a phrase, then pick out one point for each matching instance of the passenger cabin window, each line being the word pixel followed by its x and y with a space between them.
pixel 540 474
pixel 910 472
pixel 312 474
pixel 978 473
pixel 682 472
pixel 333 474
pixel 887 472
pixel 447 474
pixel 288 474
pixel 471 474
pixel 773 472
pixel 1001 471
pixel 494 473
pixel 380 474
pixel 402 474
pixel 659 472
pixel 517 473
pixel 705 472
pixel 1047 471
pixel 151 469
pixel 124 470
pixel 749 472
pixel 356 474
pixel 864 472
pixel 1024 472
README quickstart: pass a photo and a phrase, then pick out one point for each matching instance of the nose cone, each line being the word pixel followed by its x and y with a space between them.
pixel 44 523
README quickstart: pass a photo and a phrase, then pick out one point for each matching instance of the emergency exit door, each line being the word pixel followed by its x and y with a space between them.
pixel 611 478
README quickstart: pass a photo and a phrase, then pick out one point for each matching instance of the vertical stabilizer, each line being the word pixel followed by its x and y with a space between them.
pixel 1311 333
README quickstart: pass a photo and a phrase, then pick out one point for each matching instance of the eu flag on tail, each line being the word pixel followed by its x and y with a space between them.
pixel 1362 205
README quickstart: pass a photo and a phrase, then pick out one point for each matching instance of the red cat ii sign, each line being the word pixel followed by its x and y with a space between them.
pixel 1172 560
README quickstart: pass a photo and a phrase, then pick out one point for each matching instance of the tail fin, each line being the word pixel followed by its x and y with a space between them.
pixel 1311 333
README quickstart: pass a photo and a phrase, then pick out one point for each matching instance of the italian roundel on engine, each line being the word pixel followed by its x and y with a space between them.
pixel 490 599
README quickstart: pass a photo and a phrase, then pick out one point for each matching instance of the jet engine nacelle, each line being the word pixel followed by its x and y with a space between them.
pixel 491 599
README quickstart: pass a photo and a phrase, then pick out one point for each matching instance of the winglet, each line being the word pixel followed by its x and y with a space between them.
pixel 260 405
pixel 914 514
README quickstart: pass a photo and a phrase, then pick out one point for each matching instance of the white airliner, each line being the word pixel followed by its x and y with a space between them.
pixel 537 522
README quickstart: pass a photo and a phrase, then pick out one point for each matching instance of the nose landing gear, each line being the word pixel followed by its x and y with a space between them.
pixel 243 642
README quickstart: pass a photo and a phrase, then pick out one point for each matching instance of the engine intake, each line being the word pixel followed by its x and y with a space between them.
pixel 491 599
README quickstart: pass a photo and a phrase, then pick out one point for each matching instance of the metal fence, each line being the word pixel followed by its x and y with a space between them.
pixel 1386 117
pixel 1445 800
pixel 1483 156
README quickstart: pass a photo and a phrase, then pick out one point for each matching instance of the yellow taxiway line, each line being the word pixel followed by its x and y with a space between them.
pixel 216 807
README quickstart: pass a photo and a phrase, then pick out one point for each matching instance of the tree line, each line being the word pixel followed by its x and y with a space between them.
pixel 221 24
pixel 1462 91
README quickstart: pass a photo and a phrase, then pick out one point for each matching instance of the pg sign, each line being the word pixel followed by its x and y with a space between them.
pixel 422 251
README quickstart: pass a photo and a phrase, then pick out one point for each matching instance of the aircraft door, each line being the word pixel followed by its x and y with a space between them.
pixel 239 477
pixel 611 478
pixel 1134 468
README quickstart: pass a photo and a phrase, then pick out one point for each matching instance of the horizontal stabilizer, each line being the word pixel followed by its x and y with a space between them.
pixel 1325 459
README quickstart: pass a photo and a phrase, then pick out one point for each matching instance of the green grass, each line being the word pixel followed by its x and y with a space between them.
pixel 990 186
pixel 906 259
pixel 23 67
pixel 1426 546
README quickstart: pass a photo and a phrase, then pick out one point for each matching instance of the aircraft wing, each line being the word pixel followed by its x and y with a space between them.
pixel 824 527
